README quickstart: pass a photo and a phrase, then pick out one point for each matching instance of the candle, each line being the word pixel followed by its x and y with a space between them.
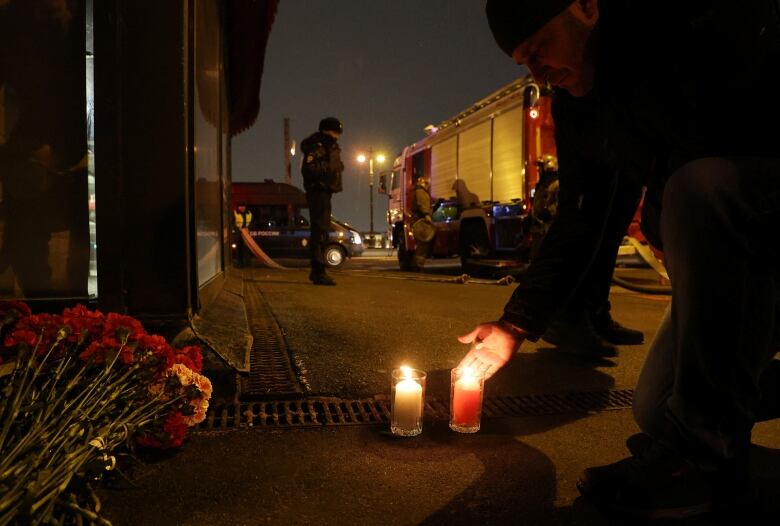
pixel 407 402
pixel 466 402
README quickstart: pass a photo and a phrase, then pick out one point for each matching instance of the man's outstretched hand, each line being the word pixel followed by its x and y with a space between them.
pixel 494 345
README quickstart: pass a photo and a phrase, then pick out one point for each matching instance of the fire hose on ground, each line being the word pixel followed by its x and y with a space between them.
pixel 643 251
pixel 258 252
pixel 647 255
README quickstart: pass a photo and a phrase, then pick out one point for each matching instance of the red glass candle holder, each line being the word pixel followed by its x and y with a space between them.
pixel 466 391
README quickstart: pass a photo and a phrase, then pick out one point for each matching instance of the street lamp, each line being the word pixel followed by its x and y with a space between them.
pixel 371 157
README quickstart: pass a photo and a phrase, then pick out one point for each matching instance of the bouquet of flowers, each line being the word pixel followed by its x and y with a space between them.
pixel 75 388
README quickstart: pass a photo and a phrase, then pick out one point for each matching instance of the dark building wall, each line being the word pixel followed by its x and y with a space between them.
pixel 143 158
pixel 162 126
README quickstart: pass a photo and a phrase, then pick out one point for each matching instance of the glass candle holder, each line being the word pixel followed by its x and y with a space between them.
pixel 406 401
pixel 466 390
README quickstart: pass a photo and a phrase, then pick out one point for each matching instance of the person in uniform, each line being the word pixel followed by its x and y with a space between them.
pixel 242 218
pixel 423 228
pixel 321 170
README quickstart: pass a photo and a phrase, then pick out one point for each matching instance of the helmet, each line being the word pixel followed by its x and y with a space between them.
pixel 331 124
pixel 548 162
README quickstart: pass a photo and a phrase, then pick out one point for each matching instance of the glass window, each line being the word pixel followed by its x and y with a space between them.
pixel 207 139
pixel 396 183
pixel 265 216
pixel 445 211
pixel 45 84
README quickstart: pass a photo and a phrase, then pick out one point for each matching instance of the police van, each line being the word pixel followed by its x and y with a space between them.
pixel 280 223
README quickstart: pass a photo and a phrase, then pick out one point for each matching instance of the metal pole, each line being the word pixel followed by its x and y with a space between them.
pixel 371 193
pixel 287 153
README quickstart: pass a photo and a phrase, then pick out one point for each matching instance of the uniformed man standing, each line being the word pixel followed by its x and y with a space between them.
pixel 321 170
pixel 423 228
pixel 242 218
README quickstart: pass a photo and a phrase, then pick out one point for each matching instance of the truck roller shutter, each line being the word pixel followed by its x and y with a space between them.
pixel 443 168
pixel 474 160
pixel 508 155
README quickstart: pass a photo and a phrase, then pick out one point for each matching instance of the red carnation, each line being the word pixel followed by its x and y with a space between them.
pixel 84 324
pixel 29 328
pixel 172 435
pixel 98 349
pixel 158 347
pixel 118 325
pixel 18 308
pixel 189 356
pixel 18 336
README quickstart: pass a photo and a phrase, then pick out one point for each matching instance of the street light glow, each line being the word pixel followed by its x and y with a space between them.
pixel 361 158
pixel 380 158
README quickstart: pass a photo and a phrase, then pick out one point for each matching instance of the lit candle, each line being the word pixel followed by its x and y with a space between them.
pixel 407 406
pixel 466 405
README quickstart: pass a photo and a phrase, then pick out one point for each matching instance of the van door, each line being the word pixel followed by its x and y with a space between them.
pixel 268 222
pixel 301 233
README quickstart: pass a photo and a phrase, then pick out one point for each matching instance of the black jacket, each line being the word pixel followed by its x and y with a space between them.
pixel 675 82
pixel 322 166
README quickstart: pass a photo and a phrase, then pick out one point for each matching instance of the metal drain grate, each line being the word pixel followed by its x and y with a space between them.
pixel 331 411
pixel 270 369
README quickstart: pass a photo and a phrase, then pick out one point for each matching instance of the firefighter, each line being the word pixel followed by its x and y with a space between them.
pixel 712 204
pixel 423 228
pixel 467 199
pixel 242 218
pixel 545 201
pixel 321 170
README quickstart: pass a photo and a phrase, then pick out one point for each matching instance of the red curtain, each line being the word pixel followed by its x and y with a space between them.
pixel 249 24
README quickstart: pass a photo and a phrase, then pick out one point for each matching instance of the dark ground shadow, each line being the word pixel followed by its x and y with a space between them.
pixel 518 482
pixel 763 510
pixel 516 486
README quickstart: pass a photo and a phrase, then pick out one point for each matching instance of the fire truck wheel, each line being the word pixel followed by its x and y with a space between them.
pixel 335 256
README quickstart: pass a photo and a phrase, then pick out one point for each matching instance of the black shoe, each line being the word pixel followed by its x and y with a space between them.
pixel 613 332
pixel 639 443
pixel 321 279
pixel 580 338
pixel 660 484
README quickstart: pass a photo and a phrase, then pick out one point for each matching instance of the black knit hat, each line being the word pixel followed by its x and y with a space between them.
pixel 513 21
pixel 331 124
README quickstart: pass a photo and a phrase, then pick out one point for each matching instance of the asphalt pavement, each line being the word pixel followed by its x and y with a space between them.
pixel 345 340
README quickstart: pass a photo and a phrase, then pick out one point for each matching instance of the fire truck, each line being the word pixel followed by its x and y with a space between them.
pixel 482 167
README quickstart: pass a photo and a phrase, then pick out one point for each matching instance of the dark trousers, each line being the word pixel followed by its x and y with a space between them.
pixel 592 296
pixel 700 389
pixel 421 251
pixel 319 214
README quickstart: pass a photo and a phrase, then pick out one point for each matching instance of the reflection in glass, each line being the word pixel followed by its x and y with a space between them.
pixel 44 215
pixel 208 139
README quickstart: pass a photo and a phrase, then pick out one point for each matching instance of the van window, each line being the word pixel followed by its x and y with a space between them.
pixel 265 216
pixel 302 218
pixel 396 183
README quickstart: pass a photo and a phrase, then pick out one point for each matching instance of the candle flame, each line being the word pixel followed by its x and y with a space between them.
pixel 468 372
pixel 407 371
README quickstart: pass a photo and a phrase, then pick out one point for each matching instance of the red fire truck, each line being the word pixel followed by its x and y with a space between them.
pixel 482 165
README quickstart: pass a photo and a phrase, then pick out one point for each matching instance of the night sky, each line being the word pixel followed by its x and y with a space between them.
pixel 386 68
